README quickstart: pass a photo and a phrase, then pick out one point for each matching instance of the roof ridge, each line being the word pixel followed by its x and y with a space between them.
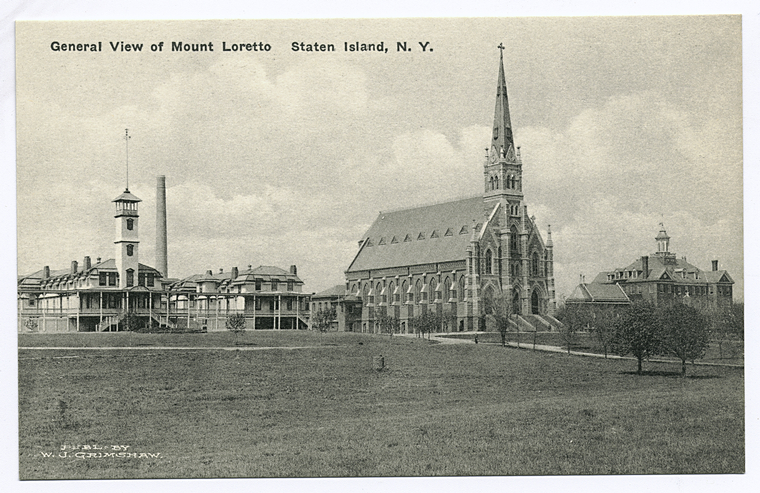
pixel 431 203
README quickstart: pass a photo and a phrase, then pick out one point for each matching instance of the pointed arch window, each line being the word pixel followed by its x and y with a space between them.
pixel 130 250
pixel 496 182
pixel 489 262
pixel 514 244
pixel 535 264
pixel 130 277
pixel 130 224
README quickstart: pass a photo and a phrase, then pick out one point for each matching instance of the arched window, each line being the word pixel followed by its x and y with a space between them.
pixel 496 182
pixel 418 291
pixel 404 289
pixel 389 294
pixel 130 224
pixel 433 294
pixel 514 245
pixel 535 264
pixel 460 294
pixel 130 277
pixel 499 262
pixel 489 262
pixel 130 250
pixel 446 289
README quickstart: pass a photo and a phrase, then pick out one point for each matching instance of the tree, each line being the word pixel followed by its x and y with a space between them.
pixel 726 323
pixel 637 332
pixel 603 326
pixel 498 311
pixel 388 324
pixel 685 333
pixel 426 322
pixel 236 324
pixel 323 319
pixel 574 317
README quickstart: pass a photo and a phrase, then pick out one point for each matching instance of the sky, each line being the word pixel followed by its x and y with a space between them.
pixel 286 157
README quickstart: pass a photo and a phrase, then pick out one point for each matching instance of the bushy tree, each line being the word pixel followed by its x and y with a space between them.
pixel 637 332
pixel 498 310
pixel 426 322
pixel 322 319
pixel 236 324
pixel 726 324
pixel 388 324
pixel 685 333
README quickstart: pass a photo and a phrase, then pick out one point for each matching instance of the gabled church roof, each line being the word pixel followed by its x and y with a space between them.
pixel 456 215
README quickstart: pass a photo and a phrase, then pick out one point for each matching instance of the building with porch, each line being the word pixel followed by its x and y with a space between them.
pixel 450 256
pixel 98 297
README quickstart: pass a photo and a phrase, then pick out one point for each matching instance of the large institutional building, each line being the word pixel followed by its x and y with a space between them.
pixel 659 278
pixel 96 297
pixel 450 256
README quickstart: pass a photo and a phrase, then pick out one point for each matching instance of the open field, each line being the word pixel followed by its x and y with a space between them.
pixel 437 409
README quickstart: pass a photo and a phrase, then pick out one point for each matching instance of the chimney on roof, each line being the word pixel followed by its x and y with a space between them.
pixel 74 266
pixel 97 261
pixel 209 273
pixel 221 270
pixel 645 266
pixel 87 263
pixel 715 265
pixel 294 270
pixel 234 273
pixel 250 266
pixel 46 272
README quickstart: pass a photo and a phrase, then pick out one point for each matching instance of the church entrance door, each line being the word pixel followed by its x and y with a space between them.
pixel 534 303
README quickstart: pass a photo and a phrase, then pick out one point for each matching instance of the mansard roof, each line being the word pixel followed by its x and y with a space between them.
pixel 457 215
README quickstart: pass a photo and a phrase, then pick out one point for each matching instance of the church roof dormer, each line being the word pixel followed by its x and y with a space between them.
pixel 502 125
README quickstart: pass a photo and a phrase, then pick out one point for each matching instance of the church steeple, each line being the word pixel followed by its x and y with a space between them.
pixel 502 125
pixel 503 166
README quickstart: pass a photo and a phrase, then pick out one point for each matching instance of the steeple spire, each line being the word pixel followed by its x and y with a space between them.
pixel 502 125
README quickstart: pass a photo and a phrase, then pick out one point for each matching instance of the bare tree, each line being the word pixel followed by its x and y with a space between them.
pixel 498 310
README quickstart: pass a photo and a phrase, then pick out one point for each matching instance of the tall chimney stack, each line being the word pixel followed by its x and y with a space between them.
pixel 715 265
pixel 161 248
pixel 294 270
pixel 87 263
pixel 74 266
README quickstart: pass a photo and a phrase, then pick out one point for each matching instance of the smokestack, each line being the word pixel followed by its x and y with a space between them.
pixel 645 266
pixel 74 265
pixel 87 264
pixel 161 248
pixel 715 265
pixel 46 272
pixel 293 270
pixel 234 274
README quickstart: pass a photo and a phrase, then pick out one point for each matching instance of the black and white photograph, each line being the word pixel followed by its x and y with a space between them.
pixel 441 247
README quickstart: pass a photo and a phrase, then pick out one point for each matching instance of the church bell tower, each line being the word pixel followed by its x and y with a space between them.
pixel 503 166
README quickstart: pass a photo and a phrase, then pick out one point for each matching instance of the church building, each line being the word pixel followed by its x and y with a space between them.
pixel 449 257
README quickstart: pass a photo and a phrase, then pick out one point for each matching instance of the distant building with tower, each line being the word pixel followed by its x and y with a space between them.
pixel 449 257
pixel 659 278
pixel 97 297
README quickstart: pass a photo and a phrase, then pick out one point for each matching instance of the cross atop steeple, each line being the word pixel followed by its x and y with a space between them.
pixel 501 47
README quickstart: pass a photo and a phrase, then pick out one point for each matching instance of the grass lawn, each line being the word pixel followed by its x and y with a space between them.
pixel 437 409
